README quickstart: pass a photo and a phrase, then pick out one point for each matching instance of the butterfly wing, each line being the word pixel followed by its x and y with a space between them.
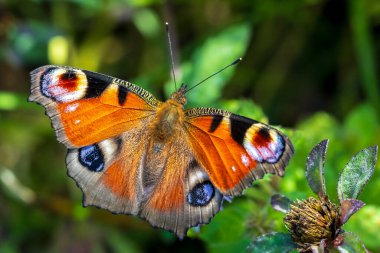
pixel 102 120
pixel 147 178
pixel 108 172
pixel 87 107
pixel 179 194
pixel 113 156
pixel 120 165
pixel 215 153
pixel 234 150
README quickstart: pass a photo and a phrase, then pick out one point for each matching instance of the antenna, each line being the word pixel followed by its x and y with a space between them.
pixel 217 72
pixel 171 53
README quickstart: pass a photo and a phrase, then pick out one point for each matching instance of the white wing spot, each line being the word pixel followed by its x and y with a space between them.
pixel 253 152
pixel 71 107
pixel 233 168
pixel 76 122
pixel 245 160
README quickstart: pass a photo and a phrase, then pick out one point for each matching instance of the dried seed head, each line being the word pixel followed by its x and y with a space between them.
pixel 311 221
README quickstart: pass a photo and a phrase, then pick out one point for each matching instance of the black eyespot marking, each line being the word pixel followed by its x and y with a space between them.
pixel 96 84
pixel 216 120
pixel 119 143
pixel 91 157
pixel 122 93
pixel 201 194
pixel 239 126
pixel 193 164
pixel 264 133
pixel 68 75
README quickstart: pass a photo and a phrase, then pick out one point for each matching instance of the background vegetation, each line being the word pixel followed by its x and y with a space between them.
pixel 310 66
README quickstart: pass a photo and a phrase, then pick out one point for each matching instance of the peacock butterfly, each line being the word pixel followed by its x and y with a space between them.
pixel 132 154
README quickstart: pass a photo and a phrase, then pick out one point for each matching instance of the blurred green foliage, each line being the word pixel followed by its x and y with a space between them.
pixel 310 65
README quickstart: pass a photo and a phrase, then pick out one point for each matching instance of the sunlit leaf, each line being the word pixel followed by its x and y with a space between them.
pixel 142 3
pixel 8 101
pixel 356 173
pixel 315 171
pixel 58 50
pixel 280 203
pixel 272 243
pixel 361 125
pixel 147 22
pixel 351 244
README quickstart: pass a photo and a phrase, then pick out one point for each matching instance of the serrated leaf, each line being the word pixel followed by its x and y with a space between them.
pixel 280 203
pixel 351 244
pixel 356 173
pixel 348 207
pixel 315 171
pixel 272 243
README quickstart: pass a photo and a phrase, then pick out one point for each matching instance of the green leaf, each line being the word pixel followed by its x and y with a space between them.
pixel 147 22
pixel 360 126
pixel 226 232
pixel 315 171
pixel 272 243
pixel 119 243
pixel 352 244
pixel 243 107
pixel 356 173
pixel 12 101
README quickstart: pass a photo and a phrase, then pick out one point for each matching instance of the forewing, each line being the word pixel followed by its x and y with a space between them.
pixel 234 150
pixel 87 107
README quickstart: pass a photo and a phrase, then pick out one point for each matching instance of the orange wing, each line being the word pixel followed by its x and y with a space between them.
pixel 103 121
pixel 108 171
pixel 234 150
pixel 121 165
pixel 179 194
pixel 87 107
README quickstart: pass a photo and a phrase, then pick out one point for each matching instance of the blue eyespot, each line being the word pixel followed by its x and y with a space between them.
pixel 92 158
pixel 201 194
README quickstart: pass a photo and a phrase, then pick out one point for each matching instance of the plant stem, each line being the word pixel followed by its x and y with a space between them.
pixel 364 50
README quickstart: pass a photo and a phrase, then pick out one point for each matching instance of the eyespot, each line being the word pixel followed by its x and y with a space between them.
pixel 264 144
pixel 201 194
pixel 63 85
pixel 91 157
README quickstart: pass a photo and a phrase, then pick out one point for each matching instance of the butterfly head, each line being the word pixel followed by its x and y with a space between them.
pixel 179 96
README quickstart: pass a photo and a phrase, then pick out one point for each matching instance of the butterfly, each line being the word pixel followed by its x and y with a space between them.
pixel 130 153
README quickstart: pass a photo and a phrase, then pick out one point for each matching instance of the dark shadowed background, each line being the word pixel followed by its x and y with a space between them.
pixel 309 66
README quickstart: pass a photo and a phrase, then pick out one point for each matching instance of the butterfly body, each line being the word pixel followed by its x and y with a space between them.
pixel 170 117
pixel 132 154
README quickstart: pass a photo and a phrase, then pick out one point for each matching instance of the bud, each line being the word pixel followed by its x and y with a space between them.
pixel 312 221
